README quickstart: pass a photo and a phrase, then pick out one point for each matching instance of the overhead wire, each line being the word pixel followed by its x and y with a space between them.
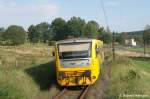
pixel 104 12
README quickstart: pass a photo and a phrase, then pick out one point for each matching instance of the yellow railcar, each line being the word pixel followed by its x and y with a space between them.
pixel 78 61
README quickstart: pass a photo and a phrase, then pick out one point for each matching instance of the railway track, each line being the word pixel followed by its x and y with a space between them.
pixel 67 93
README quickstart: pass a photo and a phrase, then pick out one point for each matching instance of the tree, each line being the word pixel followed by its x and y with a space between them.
pixel 146 37
pixel 59 29
pixel 15 35
pixel 75 27
pixel 91 29
pixel 105 36
pixel 147 27
pixel 32 34
pixel 2 30
pixel 120 38
pixel 100 32
pixel 139 39
pixel 39 33
pixel 43 30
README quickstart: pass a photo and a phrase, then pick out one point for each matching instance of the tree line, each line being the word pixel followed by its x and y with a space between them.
pixel 141 37
pixel 58 29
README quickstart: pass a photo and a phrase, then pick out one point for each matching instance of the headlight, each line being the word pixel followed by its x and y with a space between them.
pixel 61 74
pixel 87 73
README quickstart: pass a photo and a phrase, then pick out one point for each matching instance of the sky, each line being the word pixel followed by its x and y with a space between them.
pixel 122 15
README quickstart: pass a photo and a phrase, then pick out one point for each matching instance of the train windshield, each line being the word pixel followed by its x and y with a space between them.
pixel 74 50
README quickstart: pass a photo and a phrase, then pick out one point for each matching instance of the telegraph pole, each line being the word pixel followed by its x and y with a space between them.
pixel 144 42
pixel 113 45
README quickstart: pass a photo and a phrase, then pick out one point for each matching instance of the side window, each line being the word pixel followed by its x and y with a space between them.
pixel 97 48
pixel 96 51
pixel 101 51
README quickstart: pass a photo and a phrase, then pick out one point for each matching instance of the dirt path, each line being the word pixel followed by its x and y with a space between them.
pixel 131 53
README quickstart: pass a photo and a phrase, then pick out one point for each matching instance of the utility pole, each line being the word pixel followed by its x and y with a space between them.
pixel 144 42
pixel 113 45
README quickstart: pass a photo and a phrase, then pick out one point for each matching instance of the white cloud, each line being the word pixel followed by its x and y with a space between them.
pixel 113 3
pixel 33 10
pixel 25 14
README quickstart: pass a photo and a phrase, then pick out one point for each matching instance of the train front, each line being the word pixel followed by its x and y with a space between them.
pixel 73 63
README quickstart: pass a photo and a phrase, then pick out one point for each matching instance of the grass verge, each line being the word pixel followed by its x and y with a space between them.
pixel 130 76
pixel 26 72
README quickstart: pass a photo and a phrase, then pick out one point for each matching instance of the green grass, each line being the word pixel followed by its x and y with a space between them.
pixel 130 76
pixel 140 49
pixel 27 72
pixel 143 68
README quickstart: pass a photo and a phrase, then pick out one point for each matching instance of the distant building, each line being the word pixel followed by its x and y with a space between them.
pixel 130 42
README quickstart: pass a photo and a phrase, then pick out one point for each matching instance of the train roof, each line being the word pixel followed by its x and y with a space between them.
pixel 75 40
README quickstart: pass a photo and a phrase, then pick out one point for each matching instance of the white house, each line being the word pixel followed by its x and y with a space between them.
pixel 130 42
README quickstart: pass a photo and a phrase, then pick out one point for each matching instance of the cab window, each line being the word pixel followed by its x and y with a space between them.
pixel 97 48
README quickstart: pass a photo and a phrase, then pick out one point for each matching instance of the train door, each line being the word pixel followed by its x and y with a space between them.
pixel 97 58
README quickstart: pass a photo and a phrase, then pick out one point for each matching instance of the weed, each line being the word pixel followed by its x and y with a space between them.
pixel 126 77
